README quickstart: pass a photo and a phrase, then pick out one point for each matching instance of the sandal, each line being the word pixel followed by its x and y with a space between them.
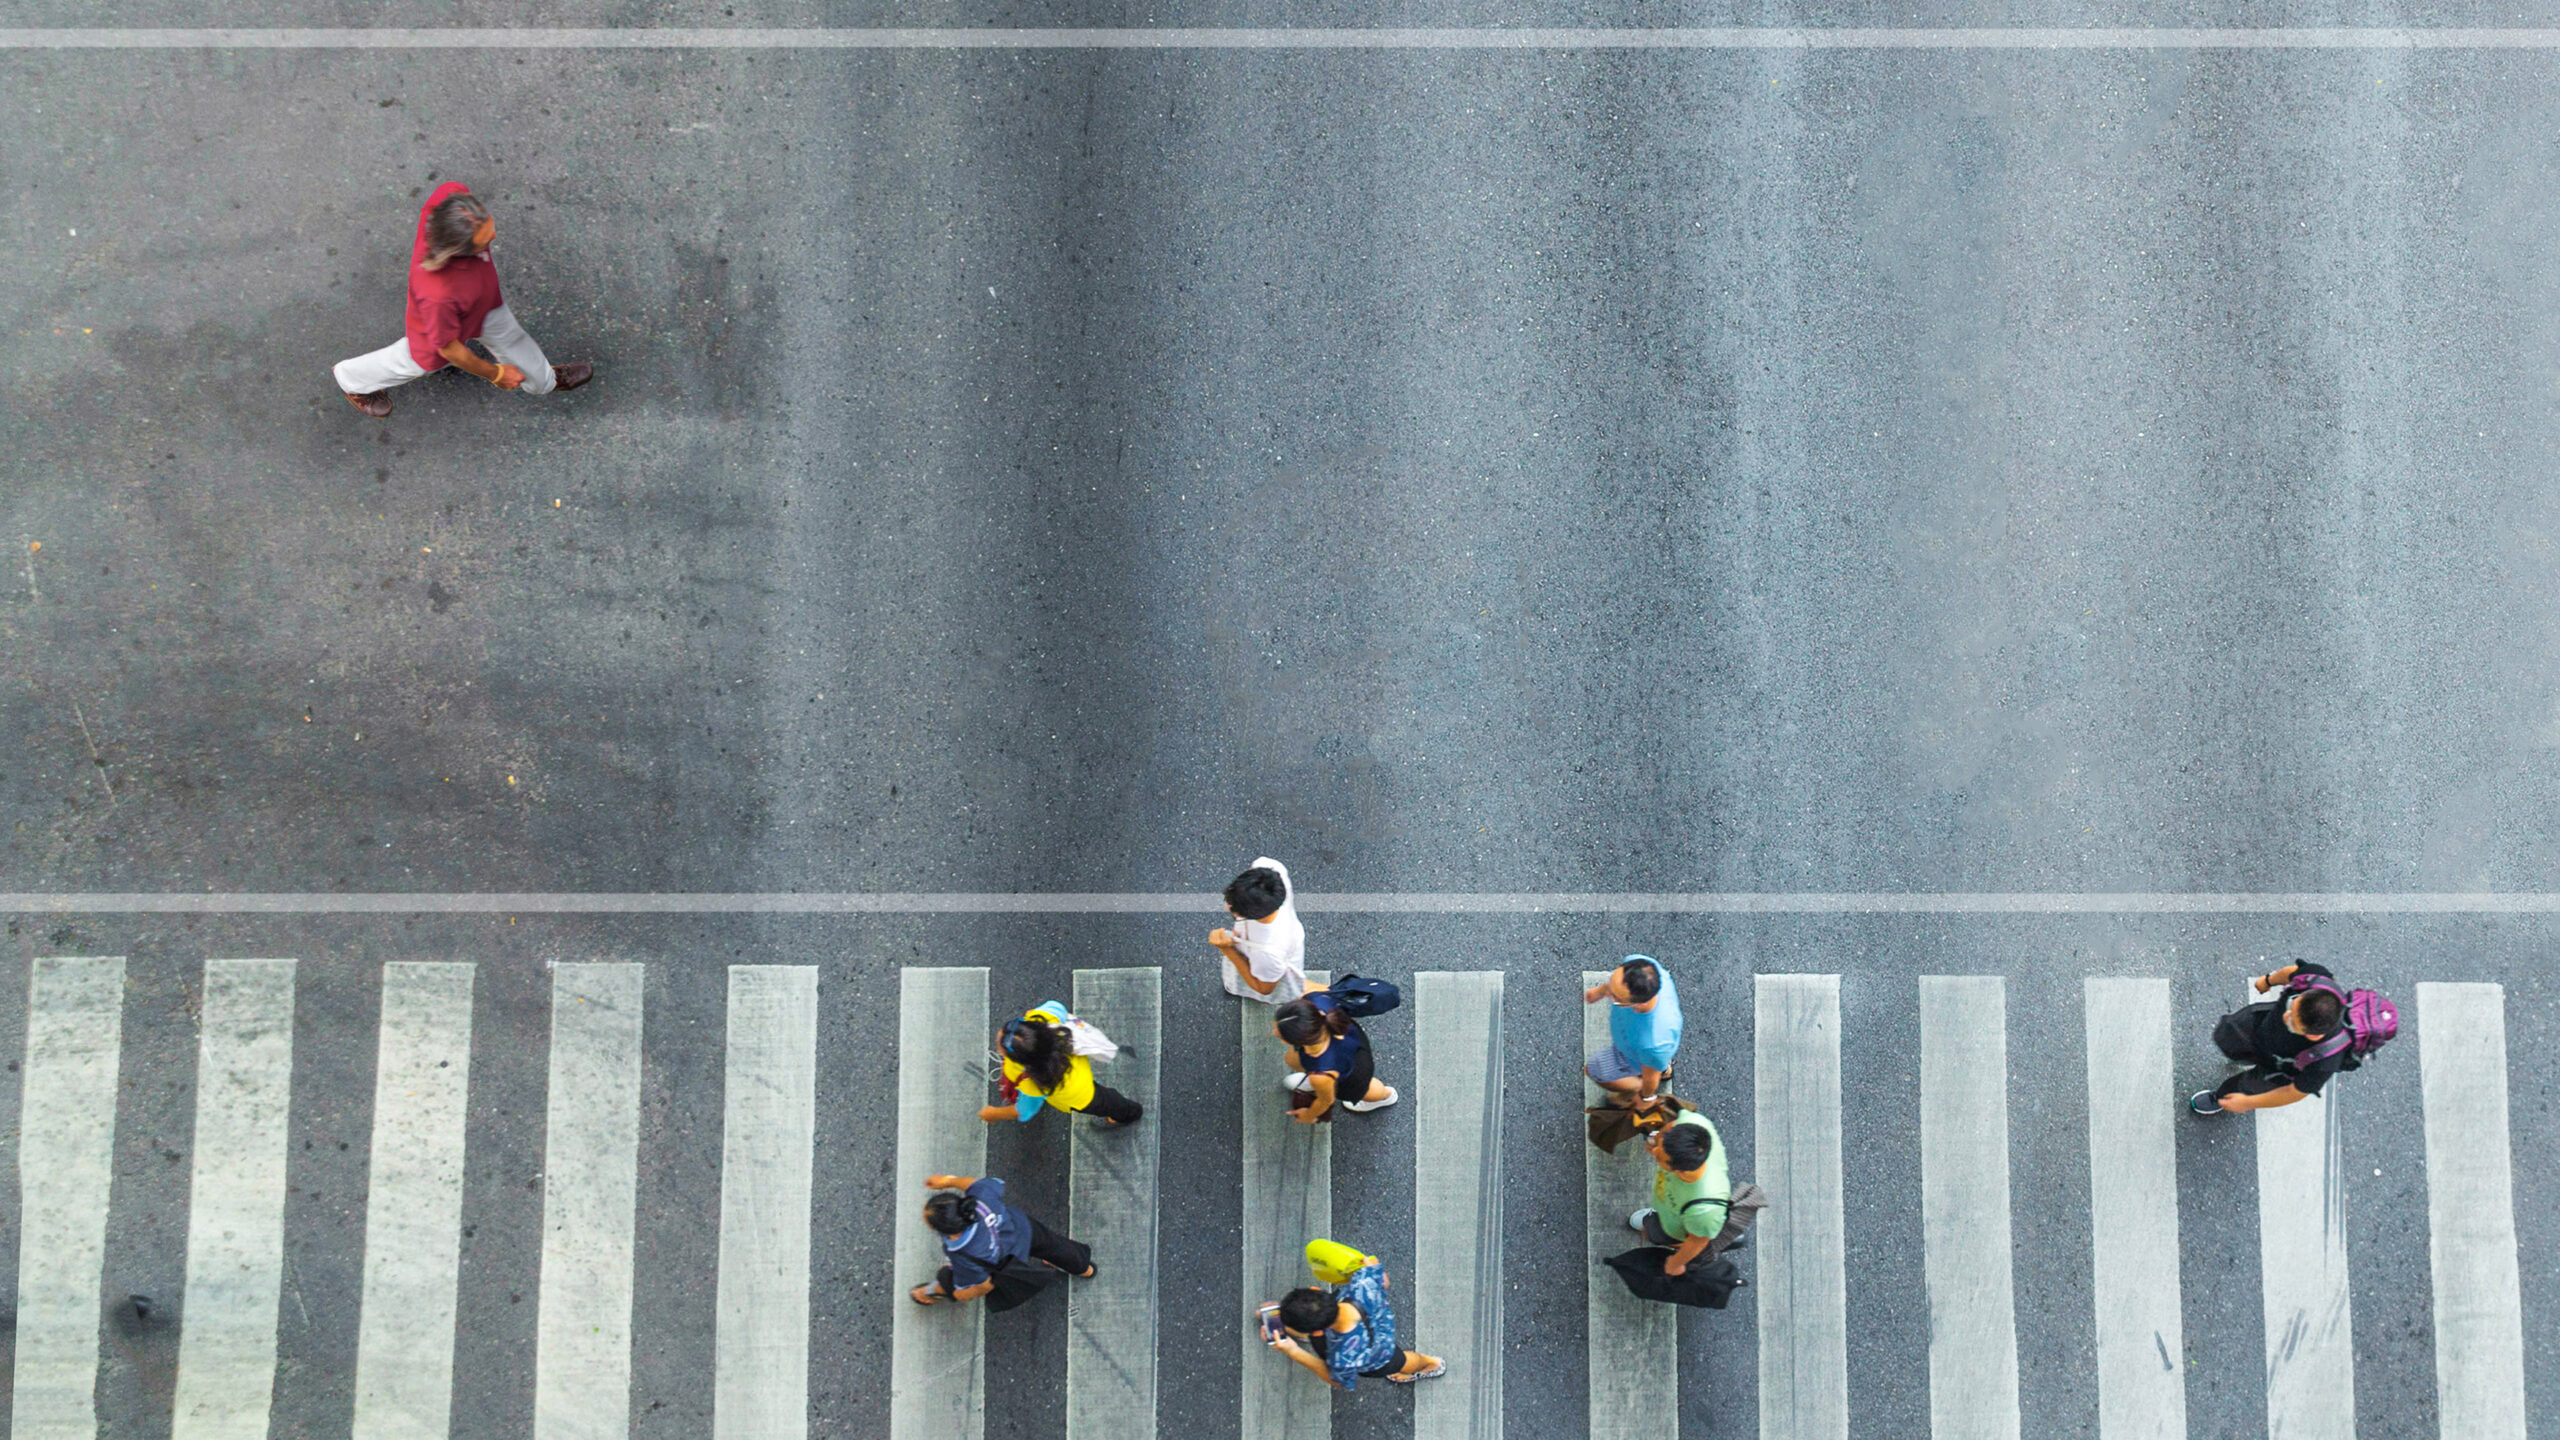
pixel 1433 1373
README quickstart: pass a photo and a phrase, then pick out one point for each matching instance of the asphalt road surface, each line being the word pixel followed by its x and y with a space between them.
pixel 1857 472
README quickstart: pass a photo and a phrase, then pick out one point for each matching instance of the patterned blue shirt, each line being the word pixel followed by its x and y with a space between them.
pixel 1372 1342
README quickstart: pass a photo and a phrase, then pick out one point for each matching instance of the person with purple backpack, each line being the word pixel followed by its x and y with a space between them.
pixel 2291 1045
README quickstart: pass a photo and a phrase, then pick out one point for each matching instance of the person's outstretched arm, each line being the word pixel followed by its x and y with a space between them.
pixel 1299 1353
pixel 1225 941
pixel 460 357
pixel 1321 1084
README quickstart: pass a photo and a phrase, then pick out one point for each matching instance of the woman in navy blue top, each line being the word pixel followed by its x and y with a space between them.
pixel 1329 1059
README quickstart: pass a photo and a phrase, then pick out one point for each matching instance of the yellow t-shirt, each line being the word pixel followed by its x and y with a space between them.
pixel 1073 1093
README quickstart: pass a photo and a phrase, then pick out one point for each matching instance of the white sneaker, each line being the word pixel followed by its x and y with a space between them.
pixel 1365 1106
pixel 1294 1082
pixel 1636 1221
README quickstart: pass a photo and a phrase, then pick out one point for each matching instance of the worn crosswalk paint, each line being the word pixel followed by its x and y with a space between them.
pixel 760 1382
pixel 1457 1283
pixel 1633 1345
pixel 1111 1207
pixel 2302 1270
pixel 2471 1216
pixel 1802 1283
pixel 66 1167
pixel 413 1205
pixel 590 1175
pixel 1288 1200
pixel 1964 1207
pixel 937 1368
pixel 2133 1211
pixel 235 1210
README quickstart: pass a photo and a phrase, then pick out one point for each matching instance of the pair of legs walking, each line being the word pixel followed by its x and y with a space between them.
pixel 379 370
pixel 1050 1248
pixel 1109 1104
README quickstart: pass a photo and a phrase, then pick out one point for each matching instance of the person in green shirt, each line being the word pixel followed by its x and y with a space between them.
pixel 1695 1209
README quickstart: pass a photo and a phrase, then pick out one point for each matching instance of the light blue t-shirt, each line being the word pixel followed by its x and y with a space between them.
pixel 1649 1037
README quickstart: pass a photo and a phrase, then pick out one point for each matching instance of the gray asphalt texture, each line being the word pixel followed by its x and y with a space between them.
pixel 1062 471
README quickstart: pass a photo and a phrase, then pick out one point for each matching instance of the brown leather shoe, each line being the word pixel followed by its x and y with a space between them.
pixel 377 404
pixel 570 377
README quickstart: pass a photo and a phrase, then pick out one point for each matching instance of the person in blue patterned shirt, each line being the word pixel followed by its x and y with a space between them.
pixel 1346 1334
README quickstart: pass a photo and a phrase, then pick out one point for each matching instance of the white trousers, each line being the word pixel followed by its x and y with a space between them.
pixel 392 364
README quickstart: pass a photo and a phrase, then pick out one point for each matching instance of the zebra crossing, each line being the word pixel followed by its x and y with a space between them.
pixel 1452 1296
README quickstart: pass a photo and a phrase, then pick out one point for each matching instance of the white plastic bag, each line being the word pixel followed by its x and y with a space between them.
pixel 1087 1038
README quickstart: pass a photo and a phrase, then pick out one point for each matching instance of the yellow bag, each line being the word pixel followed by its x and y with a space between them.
pixel 1335 1263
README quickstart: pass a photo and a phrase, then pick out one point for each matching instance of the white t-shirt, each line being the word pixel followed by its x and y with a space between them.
pixel 1276 948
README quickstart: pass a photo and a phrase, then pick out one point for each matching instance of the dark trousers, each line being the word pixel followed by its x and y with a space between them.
pixel 1047 1246
pixel 2233 1036
pixel 1110 1104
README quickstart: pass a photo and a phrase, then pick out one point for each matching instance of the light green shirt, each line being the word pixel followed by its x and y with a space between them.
pixel 1689 1208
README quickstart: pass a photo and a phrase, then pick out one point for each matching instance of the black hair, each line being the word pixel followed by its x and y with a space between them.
pixel 1687 1147
pixel 1257 893
pixel 2320 1012
pixel 1309 1310
pixel 949 1212
pixel 1300 1022
pixel 1042 1050
pixel 1644 981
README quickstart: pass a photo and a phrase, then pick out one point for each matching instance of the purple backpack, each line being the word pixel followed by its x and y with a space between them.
pixel 2371 1021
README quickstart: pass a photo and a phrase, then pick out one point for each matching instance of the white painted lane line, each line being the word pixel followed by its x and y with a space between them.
pixel 66 1169
pixel 1341 903
pixel 1964 1207
pixel 1457 1202
pixel 1298 38
pixel 2302 1269
pixel 1633 1345
pixel 590 1176
pixel 413 1207
pixel 2133 1211
pixel 1803 1281
pixel 760 1381
pixel 2471 1216
pixel 1111 1207
pixel 235 1206
pixel 1288 1201
pixel 937 1370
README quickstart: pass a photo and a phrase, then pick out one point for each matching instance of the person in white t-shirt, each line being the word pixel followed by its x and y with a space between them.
pixel 1266 952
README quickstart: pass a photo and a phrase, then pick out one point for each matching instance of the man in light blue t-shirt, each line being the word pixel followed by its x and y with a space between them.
pixel 1644 1030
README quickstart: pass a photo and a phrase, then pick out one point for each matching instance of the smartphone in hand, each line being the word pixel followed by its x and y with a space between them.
pixel 1269 1315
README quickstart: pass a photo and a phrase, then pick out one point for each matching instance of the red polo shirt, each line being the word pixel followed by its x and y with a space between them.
pixel 449 302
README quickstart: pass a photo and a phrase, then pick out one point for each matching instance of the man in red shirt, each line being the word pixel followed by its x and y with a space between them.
pixel 453 298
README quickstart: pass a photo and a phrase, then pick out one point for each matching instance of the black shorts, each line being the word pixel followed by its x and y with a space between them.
pixel 1395 1363
pixel 1353 1085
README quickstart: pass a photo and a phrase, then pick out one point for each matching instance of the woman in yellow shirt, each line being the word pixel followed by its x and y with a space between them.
pixel 1041 1067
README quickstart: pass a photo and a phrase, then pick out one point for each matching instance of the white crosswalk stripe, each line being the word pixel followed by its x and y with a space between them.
pixel 1457 1202
pixel 1802 1283
pixel 1633 1344
pixel 937 1361
pixel 2133 1211
pixel 235 1224
pixel 591 1160
pixel 2471 1216
pixel 2302 1268
pixel 66 1169
pixel 1964 1204
pixel 768 1134
pixel 413 1206
pixel 1111 1207
pixel 1288 1200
